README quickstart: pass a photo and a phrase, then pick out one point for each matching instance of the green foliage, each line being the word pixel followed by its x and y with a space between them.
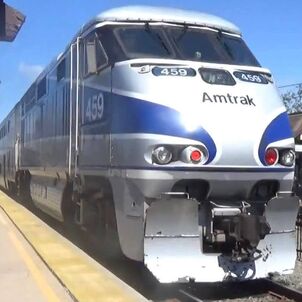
pixel 292 99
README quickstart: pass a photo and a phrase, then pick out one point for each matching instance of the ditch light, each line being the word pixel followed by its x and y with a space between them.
pixel 11 22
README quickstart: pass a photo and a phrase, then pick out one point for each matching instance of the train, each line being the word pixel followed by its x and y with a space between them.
pixel 158 127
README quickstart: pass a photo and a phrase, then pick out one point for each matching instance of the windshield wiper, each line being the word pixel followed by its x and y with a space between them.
pixel 182 33
pixel 157 37
pixel 226 47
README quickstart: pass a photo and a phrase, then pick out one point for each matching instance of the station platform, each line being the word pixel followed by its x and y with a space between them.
pixel 39 265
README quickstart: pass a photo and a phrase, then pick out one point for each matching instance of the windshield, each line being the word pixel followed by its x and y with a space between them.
pixel 211 46
pixel 196 45
pixel 144 41
pixel 183 43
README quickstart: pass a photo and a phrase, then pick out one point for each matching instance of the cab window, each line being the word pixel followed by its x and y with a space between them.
pixel 95 56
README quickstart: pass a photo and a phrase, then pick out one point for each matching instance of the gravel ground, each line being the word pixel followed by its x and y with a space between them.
pixel 264 298
pixel 294 280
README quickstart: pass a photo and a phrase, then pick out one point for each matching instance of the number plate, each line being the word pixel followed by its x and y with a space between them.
pixel 174 71
pixel 250 77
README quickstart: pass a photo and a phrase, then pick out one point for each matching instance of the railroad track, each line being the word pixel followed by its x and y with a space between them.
pixel 282 292
pixel 261 290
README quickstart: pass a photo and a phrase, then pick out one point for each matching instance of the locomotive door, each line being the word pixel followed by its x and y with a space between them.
pixel 89 142
pixel 94 148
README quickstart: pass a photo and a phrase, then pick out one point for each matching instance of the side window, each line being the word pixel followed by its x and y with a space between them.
pixel 42 88
pixel 61 70
pixel 95 56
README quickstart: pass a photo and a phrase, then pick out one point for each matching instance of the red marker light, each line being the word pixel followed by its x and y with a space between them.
pixel 196 156
pixel 271 156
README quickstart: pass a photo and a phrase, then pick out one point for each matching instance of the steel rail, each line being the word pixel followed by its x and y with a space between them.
pixel 283 291
pixel 255 288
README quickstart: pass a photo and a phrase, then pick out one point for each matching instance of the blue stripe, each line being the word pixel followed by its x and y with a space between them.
pixel 277 130
pixel 131 115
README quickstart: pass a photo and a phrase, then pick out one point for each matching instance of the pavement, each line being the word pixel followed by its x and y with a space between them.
pixel 23 275
pixel 38 264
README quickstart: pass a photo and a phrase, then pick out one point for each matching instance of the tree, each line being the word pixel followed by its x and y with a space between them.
pixel 292 98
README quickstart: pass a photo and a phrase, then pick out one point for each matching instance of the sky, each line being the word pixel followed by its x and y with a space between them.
pixel 271 28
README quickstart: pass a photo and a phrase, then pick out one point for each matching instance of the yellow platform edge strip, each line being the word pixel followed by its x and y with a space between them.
pixel 85 279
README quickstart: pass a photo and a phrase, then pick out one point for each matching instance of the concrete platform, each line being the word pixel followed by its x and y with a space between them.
pixel 38 264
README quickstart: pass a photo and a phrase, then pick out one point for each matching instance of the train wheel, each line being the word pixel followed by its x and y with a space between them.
pixel 11 187
pixel 23 186
pixel 68 204
pixel 106 227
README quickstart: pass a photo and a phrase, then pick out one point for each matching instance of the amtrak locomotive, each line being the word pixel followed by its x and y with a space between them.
pixel 158 127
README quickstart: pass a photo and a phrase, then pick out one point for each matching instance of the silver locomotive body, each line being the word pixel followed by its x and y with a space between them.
pixel 194 211
pixel 183 149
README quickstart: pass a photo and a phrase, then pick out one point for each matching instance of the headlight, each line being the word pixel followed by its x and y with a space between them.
pixel 217 76
pixel 287 158
pixel 162 155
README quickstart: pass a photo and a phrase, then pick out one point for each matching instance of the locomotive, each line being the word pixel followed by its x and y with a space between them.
pixel 159 127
